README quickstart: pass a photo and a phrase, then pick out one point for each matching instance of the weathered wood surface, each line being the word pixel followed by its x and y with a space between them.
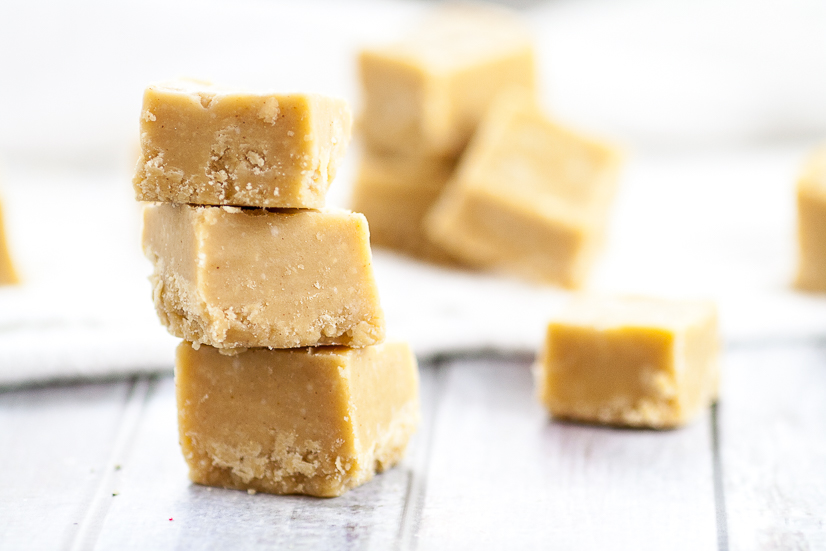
pixel 97 466
pixel 772 426
pixel 54 444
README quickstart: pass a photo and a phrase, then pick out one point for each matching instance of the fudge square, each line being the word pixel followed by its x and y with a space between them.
pixel 204 145
pixel 8 275
pixel 315 421
pixel 427 93
pixel 235 278
pixel 395 192
pixel 811 223
pixel 528 197
pixel 630 361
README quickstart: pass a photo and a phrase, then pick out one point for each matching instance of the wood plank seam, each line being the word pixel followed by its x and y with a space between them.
pixel 719 493
pixel 417 481
pixel 90 526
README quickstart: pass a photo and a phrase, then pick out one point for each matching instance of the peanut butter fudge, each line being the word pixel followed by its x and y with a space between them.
pixel 633 361
pixel 8 275
pixel 528 197
pixel 394 192
pixel 235 278
pixel 426 94
pixel 811 223
pixel 315 421
pixel 204 145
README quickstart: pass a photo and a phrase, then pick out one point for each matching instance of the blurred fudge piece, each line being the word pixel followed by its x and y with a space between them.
pixel 425 94
pixel 811 223
pixel 315 421
pixel 394 192
pixel 528 197
pixel 631 361
pixel 235 278
pixel 204 145
pixel 8 275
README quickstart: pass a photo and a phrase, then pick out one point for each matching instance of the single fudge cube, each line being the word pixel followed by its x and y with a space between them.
pixel 8 275
pixel 426 94
pixel 395 192
pixel 208 146
pixel 811 223
pixel 236 278
pixel 528 197
pixel 315 421
pixel 632 361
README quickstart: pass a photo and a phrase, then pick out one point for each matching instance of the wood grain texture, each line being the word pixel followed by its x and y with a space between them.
pixel 152 487
pixel 54 446
pixel 98 467
pixel 502 475
pixel 772 425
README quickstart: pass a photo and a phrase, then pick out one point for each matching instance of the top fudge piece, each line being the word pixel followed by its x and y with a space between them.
pixel 529 196
pixel 208 146
pixel 811 223
pixel 427 93
pixel 631 361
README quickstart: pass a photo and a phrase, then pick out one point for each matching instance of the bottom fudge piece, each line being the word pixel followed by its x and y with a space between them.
pixel 811 223
pixel 394 192
pixel 8 275
pixel 633 361
pixel 315 421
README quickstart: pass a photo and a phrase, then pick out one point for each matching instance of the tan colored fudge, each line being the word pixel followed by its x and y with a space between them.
pixel 315 421
pixel 632 361
pixel 395 192
pixel 811 223
pixel 8 275
pixel 529 197
pixel 204 145
pixel 425 94
pixel 232 277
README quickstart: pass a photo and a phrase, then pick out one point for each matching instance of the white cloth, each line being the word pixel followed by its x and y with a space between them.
pixel 706 226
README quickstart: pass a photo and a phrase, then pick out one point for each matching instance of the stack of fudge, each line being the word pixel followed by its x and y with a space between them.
pixel 424 97
pixel 284 382
pixel 461 164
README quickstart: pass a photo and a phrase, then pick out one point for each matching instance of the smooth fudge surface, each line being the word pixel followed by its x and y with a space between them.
pixel 8 275
pixel 315 421
pixel 811 223
pixel 204 145
pixel 631 361
pixel 235 278
pixel 395 192
pixel 426 94
pixel 528 197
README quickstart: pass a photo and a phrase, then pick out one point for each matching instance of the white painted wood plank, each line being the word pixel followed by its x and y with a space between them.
pixel 152 487
pixel 503 476
pixel 54 443
pixel 772 421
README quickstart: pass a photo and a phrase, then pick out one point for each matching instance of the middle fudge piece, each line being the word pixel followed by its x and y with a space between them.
pixel 238 278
